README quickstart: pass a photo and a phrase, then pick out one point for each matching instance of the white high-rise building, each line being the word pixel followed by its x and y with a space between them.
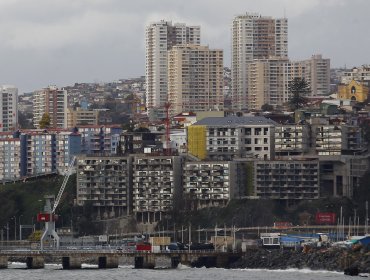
pixel 254 37
pixel 52 101
pixel 8 108
pixel 161 37
pixel 195 79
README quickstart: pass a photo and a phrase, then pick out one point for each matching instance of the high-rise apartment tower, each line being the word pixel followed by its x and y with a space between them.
pixel 254 37
pixel 195 79
pixel 8 108
pixel 161 37
pixel 52 101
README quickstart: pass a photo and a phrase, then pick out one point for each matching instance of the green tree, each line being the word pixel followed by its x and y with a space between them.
pixel 267 107
pixel 45 121
pixel 298 88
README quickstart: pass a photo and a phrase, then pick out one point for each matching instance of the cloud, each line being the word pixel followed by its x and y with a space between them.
pixel 65 41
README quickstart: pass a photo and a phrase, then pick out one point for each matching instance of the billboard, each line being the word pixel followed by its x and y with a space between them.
pixel 325 218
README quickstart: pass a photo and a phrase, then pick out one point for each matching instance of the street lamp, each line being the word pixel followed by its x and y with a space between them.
pixel 15 227
pixel 20 227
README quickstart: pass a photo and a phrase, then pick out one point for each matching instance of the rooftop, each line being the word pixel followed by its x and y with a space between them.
pixel 236 121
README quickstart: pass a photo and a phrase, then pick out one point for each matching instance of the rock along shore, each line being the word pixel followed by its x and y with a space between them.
pixel 332 259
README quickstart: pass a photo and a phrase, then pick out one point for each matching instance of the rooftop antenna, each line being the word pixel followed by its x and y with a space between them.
pixel 284 13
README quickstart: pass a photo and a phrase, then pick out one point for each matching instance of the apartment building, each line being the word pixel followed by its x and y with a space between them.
pixel 8 108
pixel 267 82
pixel 292 140
pixel 157 186
pixel 10 150
pixel 226 138
pixel 268 79
pixel 318 76
pixel 80 116
pixel 136 142
pixel 209 184
pixel 336 139
pixel 106 183
pixel 359 74
pixel 254 37
pixel 67 145
pixel 52 101
pixel 100 139
pixel 37 153
pixel 287 179
pixel 341 175
pixel 161 37
pixel 195 79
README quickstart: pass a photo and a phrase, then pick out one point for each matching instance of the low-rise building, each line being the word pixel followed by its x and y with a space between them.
pixel 232 137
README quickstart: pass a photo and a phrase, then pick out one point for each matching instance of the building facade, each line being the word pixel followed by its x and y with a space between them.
pixel 354 91
pixel 292 140
pixel 232 137
pixel 81 116
pixel 10 163
pixel 287 180
pixel 157 186
pixel 268 79
pixel 209 184
pixel 359 74
pixel 161 37
pixel 254 37
pixel 8 108
pixel 52 101
pixel 195 79
pixel 106 183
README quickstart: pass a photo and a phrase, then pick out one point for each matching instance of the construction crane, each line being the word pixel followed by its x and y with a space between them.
pixel 48 216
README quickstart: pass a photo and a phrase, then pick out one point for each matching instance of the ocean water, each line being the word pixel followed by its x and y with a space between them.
pixel 17 271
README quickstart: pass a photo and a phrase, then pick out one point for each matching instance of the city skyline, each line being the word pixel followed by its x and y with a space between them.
pixel 63 42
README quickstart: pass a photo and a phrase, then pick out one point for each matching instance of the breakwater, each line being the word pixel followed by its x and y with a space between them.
pixel 332 259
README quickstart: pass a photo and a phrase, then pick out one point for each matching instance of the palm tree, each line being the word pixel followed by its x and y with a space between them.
pixel 298 88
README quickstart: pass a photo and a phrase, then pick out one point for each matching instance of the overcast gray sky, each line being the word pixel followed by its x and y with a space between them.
pixel 65 41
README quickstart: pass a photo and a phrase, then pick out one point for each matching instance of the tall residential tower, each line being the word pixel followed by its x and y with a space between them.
pixel 8 108
pixel 161 37
pixel 254 37
pixel 52 101
pixel 195 79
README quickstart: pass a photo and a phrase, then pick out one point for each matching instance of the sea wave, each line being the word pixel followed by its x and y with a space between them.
pixel 295 270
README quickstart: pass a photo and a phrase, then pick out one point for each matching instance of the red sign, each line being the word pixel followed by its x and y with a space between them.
pixel 326 218
pixel 282 225
pixel 143 247
pixel 44 217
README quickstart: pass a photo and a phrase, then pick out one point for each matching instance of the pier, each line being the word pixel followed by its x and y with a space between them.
pixel 72 259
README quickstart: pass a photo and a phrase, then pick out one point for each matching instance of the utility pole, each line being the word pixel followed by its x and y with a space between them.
pixel 367 217
pixel 189 236
pixel 7 233
pixel 15 228
pixel 198 233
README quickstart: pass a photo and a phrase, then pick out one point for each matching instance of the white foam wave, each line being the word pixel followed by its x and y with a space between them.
pixel 182 266
pixel 88 265
pixel 295 270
